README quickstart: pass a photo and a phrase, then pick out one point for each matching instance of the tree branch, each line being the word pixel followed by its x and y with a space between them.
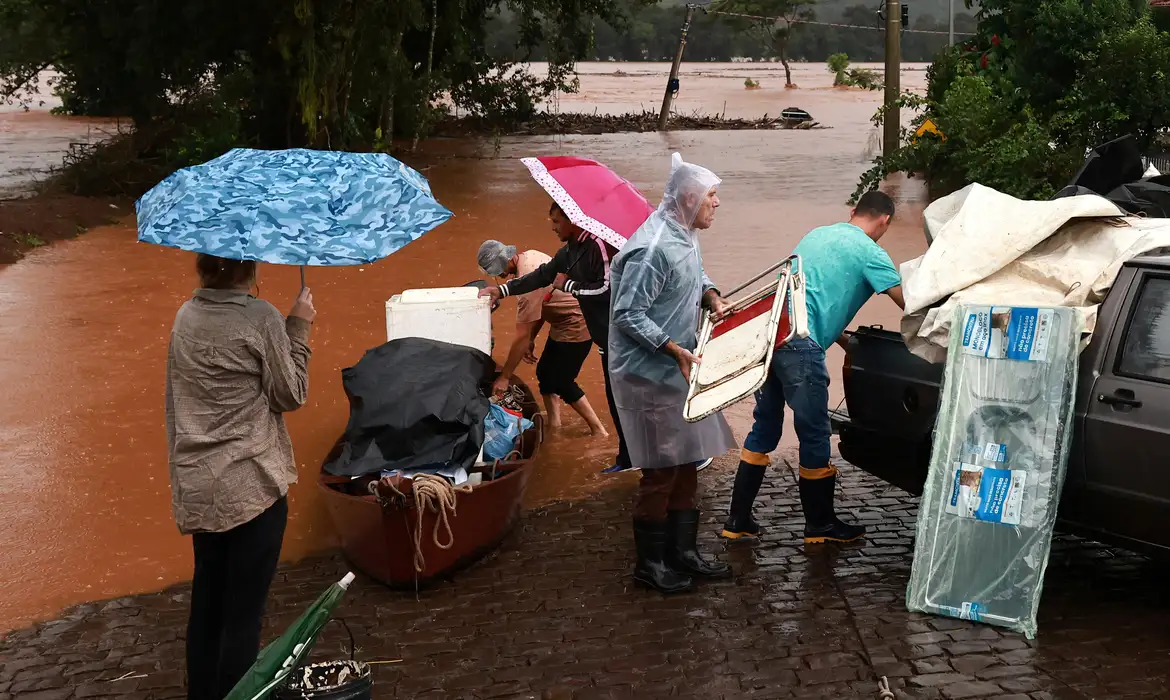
pixel 10 91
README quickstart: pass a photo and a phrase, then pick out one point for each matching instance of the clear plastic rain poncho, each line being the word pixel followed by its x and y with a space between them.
pixel 658 284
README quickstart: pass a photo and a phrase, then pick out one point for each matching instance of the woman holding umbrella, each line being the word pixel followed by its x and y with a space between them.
pixel 593 200
pixel 235 365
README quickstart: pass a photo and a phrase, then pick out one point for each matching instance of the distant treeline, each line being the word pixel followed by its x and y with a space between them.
pixel 652 34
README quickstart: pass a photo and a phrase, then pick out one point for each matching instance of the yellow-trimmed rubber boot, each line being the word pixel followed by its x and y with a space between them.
pixel 821 524
pixel 740 523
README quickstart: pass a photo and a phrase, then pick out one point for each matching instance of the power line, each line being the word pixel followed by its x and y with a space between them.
pixel 823 24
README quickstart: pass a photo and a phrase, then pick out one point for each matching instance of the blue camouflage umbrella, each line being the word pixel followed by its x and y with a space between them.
pixel 292 207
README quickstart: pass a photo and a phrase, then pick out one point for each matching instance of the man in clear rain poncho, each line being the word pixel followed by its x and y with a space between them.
pixel 659 293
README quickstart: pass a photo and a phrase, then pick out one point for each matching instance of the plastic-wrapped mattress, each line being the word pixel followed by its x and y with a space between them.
pixel 998 464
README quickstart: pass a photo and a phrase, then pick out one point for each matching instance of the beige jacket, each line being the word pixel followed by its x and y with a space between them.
pixel 234 366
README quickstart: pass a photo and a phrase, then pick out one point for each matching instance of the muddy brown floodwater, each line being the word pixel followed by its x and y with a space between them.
pixel 85 503
pixel 32 140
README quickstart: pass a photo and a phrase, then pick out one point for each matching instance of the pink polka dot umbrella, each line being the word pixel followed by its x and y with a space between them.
pixel 593 197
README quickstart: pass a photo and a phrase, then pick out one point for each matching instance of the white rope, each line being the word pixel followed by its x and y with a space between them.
pixel 884 692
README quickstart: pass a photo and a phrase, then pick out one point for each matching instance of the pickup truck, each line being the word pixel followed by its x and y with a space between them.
pixel 1117 484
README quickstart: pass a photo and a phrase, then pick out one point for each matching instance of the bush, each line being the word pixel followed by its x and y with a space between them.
pixel 505 96
pixel 852 77
pixel 838 64
pixel 1043 81
pixel 865 78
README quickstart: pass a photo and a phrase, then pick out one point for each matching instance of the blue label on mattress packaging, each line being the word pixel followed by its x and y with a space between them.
pixel 1004 332
pixel 994 452
pixel 989 494
pixel 993 492
pixel 975 331
pixel 956 488
pixel 971 611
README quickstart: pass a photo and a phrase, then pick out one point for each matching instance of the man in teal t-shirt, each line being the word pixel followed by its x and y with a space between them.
pixel 843 267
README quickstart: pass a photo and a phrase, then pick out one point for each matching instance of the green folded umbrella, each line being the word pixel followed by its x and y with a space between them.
pixel 279 659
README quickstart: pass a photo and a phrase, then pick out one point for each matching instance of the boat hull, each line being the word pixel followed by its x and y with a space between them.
pixel 379 540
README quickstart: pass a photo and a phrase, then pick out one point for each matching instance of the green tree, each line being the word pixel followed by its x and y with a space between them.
pixel 838 64
pixel 1042 81
pixel 866 46
pixel 324 73
pixel 771 21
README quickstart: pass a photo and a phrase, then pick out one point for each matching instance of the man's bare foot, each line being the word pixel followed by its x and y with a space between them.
pixel 554 424
pixel 598 432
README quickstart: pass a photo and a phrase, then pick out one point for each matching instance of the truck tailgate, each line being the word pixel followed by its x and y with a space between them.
pixel 889 390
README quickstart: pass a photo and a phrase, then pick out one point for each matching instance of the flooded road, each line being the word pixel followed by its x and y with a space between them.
pixel 33 140
pixel 86 500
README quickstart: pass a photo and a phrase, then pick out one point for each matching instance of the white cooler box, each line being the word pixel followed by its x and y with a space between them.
pixel 453 315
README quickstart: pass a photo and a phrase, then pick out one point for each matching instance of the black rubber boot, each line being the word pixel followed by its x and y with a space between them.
pixel 682 553
pixel 740 522
pixel 650 539
pixel 820 519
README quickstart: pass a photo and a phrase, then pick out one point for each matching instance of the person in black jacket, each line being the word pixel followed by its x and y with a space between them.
pixel 581 268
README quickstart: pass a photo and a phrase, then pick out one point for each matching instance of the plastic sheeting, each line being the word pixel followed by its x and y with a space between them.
pixel 997 468
pixel 988 247
pixel 658 284
pixel 1116 171
pixel 414 403
pixel 978 231
pixel 501 428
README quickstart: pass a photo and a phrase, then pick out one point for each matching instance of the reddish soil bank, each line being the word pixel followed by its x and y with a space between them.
pixel 30 223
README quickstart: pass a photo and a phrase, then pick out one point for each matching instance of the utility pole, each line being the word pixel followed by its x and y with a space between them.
pixel 892 121
pixel 951 28
pixel 672 83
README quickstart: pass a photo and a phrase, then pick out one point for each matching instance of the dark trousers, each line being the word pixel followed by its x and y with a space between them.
pixel 623 457
pixel 233 571
pixel 663 490
pixel 559 365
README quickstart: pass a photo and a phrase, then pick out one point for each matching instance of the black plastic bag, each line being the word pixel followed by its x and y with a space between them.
pixel 414 403
pixel 1149 198
pixel 1110 166
pixel 1114 171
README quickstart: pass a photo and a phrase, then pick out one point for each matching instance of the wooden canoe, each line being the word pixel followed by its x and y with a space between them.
pixel 379 539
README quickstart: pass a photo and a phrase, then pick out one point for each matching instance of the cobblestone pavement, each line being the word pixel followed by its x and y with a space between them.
pixel 553 615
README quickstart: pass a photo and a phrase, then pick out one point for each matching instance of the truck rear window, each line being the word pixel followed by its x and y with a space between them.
pixel 1146 351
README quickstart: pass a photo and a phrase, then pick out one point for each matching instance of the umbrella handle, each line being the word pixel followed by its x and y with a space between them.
pixel 302 277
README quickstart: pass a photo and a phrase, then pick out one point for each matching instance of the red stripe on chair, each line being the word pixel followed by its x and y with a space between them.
pixel 784 327
pixel 760 308
pixel 763 307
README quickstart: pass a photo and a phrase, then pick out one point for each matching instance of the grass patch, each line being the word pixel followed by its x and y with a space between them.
pixel 28 240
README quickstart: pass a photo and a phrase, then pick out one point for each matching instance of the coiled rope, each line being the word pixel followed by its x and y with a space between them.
pixel 432 493
pixel 884 692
